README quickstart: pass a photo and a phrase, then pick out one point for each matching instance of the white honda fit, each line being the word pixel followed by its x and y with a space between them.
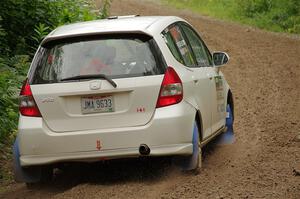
pixel 121 87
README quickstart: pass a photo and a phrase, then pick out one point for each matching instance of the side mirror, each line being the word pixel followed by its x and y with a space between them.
pixel 220 58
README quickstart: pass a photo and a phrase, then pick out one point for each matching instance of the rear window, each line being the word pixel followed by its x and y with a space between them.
pixel 114 56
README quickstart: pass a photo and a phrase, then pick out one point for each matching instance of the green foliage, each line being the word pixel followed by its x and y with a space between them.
pixel 18 20
pixel 21 19
pixel 104 11
pixel 252 7
pixel 12 73
pixel 40 32
pixel 274 15
pixel 207 7
pixel 70 11
pixel 3 41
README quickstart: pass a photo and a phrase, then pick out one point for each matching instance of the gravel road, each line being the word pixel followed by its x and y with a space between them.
pixel 264 73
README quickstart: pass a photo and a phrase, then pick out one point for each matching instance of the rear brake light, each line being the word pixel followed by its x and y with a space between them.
pixel 27 105
pixel 171 91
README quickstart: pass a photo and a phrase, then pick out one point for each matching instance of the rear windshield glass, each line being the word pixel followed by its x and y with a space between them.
pixel 114 56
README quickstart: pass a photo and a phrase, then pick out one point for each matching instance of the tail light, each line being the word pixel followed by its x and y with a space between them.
pixel 27 104
pixel 171 91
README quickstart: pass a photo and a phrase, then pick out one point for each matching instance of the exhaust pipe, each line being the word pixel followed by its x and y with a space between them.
pixel 144 149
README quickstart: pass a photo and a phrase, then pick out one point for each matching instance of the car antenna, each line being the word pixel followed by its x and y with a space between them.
pixel 120 17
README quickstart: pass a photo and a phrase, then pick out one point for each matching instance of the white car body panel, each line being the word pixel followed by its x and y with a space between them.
pixel 168 133
pixel 64 115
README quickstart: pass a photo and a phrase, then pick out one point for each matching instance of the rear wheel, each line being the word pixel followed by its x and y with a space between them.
pixel 197 152
pixel 227 137
pixel 193 162
pixel 30 175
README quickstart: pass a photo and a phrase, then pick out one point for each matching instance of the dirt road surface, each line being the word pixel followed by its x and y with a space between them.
pixel 264 73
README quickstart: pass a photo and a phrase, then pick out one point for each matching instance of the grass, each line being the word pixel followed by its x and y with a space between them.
pixel 274 15
pixel 221 9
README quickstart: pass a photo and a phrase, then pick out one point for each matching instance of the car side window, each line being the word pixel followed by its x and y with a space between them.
pixel 174 37
pixel 172 46
pixel 201 53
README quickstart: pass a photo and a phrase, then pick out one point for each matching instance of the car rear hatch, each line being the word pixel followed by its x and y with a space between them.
pixel 97 82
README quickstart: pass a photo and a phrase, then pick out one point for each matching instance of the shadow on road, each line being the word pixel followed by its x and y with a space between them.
pixel 107 173
pixel 111 172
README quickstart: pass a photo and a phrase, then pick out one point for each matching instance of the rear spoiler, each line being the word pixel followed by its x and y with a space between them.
pixel 50 39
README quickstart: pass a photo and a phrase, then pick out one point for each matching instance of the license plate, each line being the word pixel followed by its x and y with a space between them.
pixel 97 104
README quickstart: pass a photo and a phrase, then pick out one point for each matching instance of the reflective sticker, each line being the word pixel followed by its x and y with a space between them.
pixel 140 110
pixel 227 114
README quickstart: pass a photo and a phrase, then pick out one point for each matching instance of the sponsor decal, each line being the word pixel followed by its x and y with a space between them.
pixel 48 99
pixel 140 110
pixel 98 145
pixel 220 94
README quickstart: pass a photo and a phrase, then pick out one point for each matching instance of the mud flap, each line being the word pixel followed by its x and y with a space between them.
pixel 27 175
pixel 192 162
pixel 228 136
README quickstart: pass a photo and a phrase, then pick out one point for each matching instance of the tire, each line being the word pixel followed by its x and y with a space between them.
pixel 194 161
pixel 197 152
pixel 29 175
pixel 227 137
pixel 229 118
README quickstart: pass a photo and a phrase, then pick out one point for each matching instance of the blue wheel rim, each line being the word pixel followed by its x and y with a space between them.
pixel 229 118
pixel 228 136
pixel 191 162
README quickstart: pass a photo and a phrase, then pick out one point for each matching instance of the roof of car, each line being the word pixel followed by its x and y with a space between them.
pixel 145 24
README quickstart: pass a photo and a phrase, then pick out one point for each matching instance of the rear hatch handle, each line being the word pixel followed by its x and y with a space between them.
pixel 93 76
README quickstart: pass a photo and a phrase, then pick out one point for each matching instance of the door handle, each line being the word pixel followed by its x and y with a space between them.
pixel 210 78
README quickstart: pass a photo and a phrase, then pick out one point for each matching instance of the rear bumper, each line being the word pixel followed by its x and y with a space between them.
pixel 179 149
pixel 168 133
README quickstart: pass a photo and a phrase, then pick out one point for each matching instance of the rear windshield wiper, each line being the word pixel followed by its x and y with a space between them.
pixel 102 76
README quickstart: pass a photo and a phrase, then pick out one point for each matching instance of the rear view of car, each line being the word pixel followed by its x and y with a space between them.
pixel 93 97
pixel 104 90
pixel 73 86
